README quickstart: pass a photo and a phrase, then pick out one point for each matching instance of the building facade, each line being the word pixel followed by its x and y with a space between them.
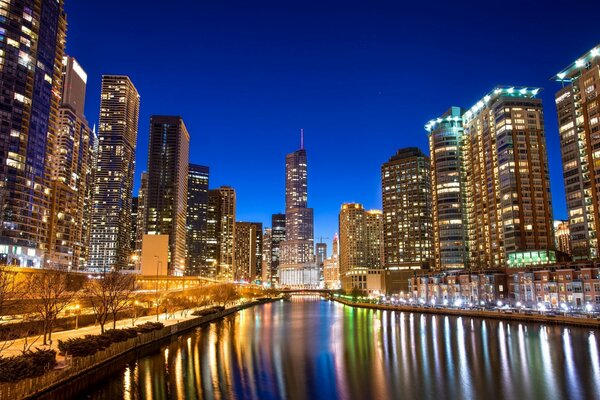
pixel 166 204
pixel 407 210
pixel 33 35
pixel 562 236
pixel 197 205
pixel 248 251
pixel 267 253
pixel 448 190
pixel 361 248
pixel 578 124
pixel 220 231
pixel 113 180
pixel 277 236
pixel 508 183
pixel 297 266
pixel 71 175
pixel 331 267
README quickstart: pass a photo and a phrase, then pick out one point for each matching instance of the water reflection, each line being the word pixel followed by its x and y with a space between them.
pixel 314 349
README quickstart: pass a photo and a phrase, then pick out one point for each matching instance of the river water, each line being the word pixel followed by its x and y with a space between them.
pixel 316 349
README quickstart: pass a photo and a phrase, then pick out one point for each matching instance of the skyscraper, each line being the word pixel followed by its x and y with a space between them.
pixel 166 205
pixel 197 205
pixel 321 254
pixel 361 246
pixel 277 236
pixel 407 221
pixel 220 228
pixel 448 188
pixel 71 174
pixel 508 184
pixel 142 200
pixel 297 267
pixel 562 236
pixel 30 76
pixel 248 251
pixel 267 254
pixel 117 137
pixel 578 125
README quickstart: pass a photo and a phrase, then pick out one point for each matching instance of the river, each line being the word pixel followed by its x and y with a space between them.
pixel 316 349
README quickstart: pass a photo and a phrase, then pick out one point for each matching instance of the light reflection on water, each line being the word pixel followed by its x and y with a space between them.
pixel 315 349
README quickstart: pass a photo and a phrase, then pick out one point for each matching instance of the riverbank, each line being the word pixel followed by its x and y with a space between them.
pixel 38 386
pixel 502 315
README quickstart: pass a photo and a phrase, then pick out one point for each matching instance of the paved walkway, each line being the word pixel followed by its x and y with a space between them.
pixel 17 346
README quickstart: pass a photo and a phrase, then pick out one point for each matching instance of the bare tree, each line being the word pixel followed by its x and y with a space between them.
pixel 7 291
pixel 109 295
pixel 122 289
pixel 225 294
pixel 50 293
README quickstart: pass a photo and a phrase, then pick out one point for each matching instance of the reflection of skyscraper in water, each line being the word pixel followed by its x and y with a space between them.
pixel 298 268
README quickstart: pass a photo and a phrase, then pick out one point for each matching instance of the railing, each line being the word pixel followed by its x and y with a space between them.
pixel 79 365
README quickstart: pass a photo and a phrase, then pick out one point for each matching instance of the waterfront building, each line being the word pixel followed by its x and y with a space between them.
pixel 407 211
pixel 267 254
pixel 277 236
pixel 197 205
pixel 448 190
pixel 508 183
pixel 135 217
pixel 31 78
pixel 113 180
pixel 458 287
pixel 297 266
pixel 248 251
pixel 166 205
pixel 220 232
pixel 562 236
pixel 574 285
pixel 578 124
pixel 71 170
pixel 361 249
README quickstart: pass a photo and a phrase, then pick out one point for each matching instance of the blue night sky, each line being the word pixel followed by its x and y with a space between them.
pixel 361 78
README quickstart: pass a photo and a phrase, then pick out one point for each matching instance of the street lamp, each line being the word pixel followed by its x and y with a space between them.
pixel 157 264
pixel 77 312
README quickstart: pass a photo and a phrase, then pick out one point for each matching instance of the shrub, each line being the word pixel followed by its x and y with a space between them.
pixel 149 327
pixel 27 365
pixel 117 335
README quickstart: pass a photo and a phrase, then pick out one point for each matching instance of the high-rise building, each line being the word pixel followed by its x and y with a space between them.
pixel 321 254
pixel 562 236
pixel 113 188
pixel 248 251
pixel 277 236
pixel 297 266
pixel 135 217
pixel 407 222
pixel 166 205
pixel 331 270
pixel 448 189
pixel 197 205
pixel 220 232
pixel 508 184
pixel 140 224
pixel 267 250
pixel 71 175
pixel 578 124
pixel 361 247
pixel 30 78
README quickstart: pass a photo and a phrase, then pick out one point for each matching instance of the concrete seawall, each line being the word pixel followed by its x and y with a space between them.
pixel 505 316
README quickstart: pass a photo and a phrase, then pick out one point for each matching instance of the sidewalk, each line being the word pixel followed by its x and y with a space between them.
pixel 17 347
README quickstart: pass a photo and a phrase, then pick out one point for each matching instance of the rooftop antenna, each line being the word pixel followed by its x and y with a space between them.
pixel 301 138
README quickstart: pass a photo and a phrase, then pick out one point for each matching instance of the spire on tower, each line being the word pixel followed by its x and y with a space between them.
pixel 301 138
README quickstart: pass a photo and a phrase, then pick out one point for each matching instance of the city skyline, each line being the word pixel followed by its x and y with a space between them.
pixel 365 101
